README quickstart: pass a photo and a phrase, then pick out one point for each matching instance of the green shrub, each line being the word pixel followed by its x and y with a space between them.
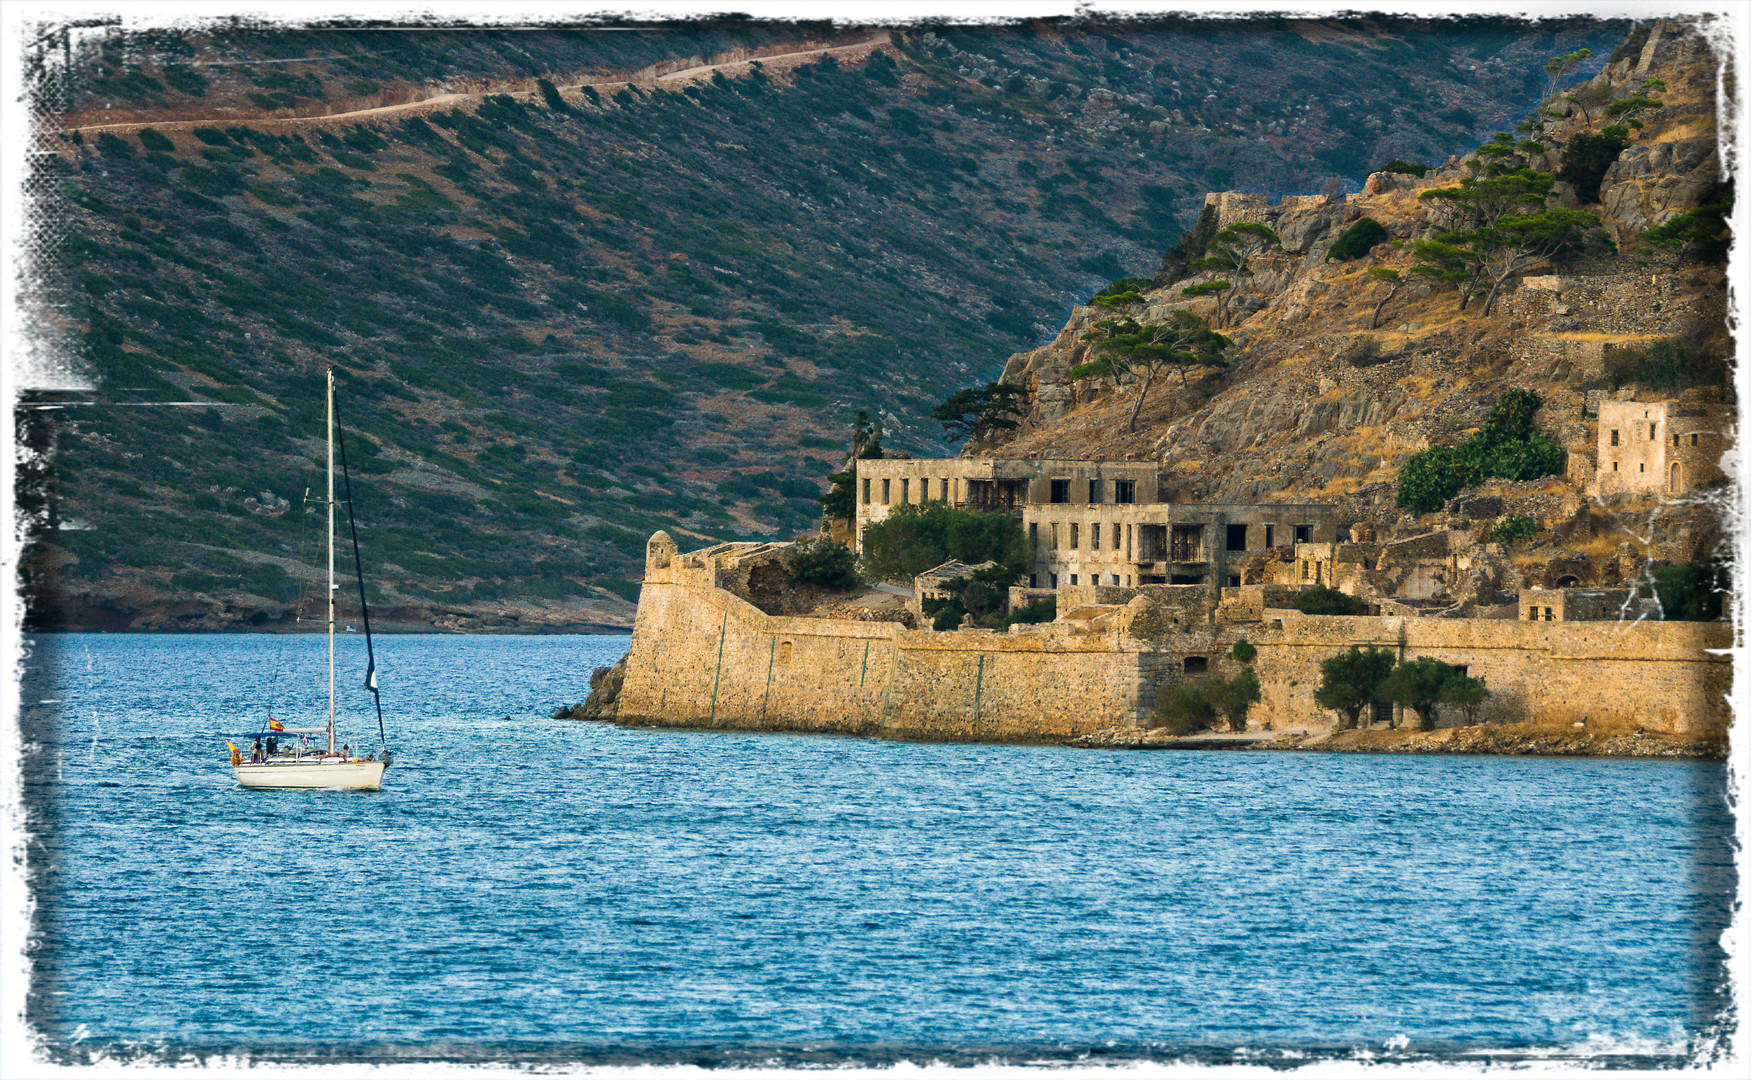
pixel 982 594
pixel 1666 364
pixel 268 194
pixel 153 140
pixel 1418 685
pixel 1041 610
pixel 1690 592
pixel 266 579
pixel 626 590
pixel 1183 708
pixel 362 138
pixel 1585 160
pixel 186 79
pixel 1513 527
pixel 113 147
pixel 1321 600
pixel 1408 168
pixel 1357 240
pixel 1243 651
pixel 1351 681
pixel 1233 696
pixel 916 537
pixel 1507 447
pixel 194 581
pixel 730 376
pixel 823 562
pixel 200 202
pixel 1703 232
pixel 355 161
pixel 1124 290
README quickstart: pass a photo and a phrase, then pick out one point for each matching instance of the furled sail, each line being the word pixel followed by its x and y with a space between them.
pixel 359 575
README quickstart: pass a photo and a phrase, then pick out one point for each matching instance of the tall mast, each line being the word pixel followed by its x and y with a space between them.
pixel 331 585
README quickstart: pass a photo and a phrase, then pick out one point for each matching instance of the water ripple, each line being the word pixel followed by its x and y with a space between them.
pixel 547 891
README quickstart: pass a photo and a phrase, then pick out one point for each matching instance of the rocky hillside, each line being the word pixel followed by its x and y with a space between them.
pixel 579 286
pixel 1336 377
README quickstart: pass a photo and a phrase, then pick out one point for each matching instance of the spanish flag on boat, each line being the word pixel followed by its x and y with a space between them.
pixel 236 754
pixel 275 725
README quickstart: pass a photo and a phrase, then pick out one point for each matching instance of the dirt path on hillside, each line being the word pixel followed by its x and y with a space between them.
pixel 781 61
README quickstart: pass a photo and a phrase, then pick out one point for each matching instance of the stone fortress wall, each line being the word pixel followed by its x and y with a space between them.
pixel 702 656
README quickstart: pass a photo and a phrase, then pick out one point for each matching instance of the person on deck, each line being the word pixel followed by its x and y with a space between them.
pixel 255 757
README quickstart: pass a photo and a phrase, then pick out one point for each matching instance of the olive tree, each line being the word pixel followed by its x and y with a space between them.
pixel 1417 685
pixel 1351 682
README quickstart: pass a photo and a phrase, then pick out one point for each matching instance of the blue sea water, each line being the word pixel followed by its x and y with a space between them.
pixel 537 890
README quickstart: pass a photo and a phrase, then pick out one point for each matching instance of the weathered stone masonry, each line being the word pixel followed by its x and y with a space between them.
pixel 704 657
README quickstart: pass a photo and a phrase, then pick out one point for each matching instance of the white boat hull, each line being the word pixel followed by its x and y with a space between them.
pixel 312 773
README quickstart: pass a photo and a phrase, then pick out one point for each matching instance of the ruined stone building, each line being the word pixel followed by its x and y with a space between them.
pixel 1664 447
pixel 1097 522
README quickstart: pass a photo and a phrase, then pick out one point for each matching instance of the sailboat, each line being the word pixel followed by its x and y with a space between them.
pixel 298 765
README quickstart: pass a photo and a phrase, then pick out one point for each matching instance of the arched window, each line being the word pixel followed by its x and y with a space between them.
pixel 1677 478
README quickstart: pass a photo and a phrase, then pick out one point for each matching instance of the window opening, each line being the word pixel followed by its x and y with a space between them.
pixel 1060 491
pixel 1188 543
pixel 1124 491
pixel 1237 538
pixel 1151 543
pixel 1094 491
pixel 1197 665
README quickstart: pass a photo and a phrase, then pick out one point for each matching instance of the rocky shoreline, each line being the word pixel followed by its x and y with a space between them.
pixel 1496 739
